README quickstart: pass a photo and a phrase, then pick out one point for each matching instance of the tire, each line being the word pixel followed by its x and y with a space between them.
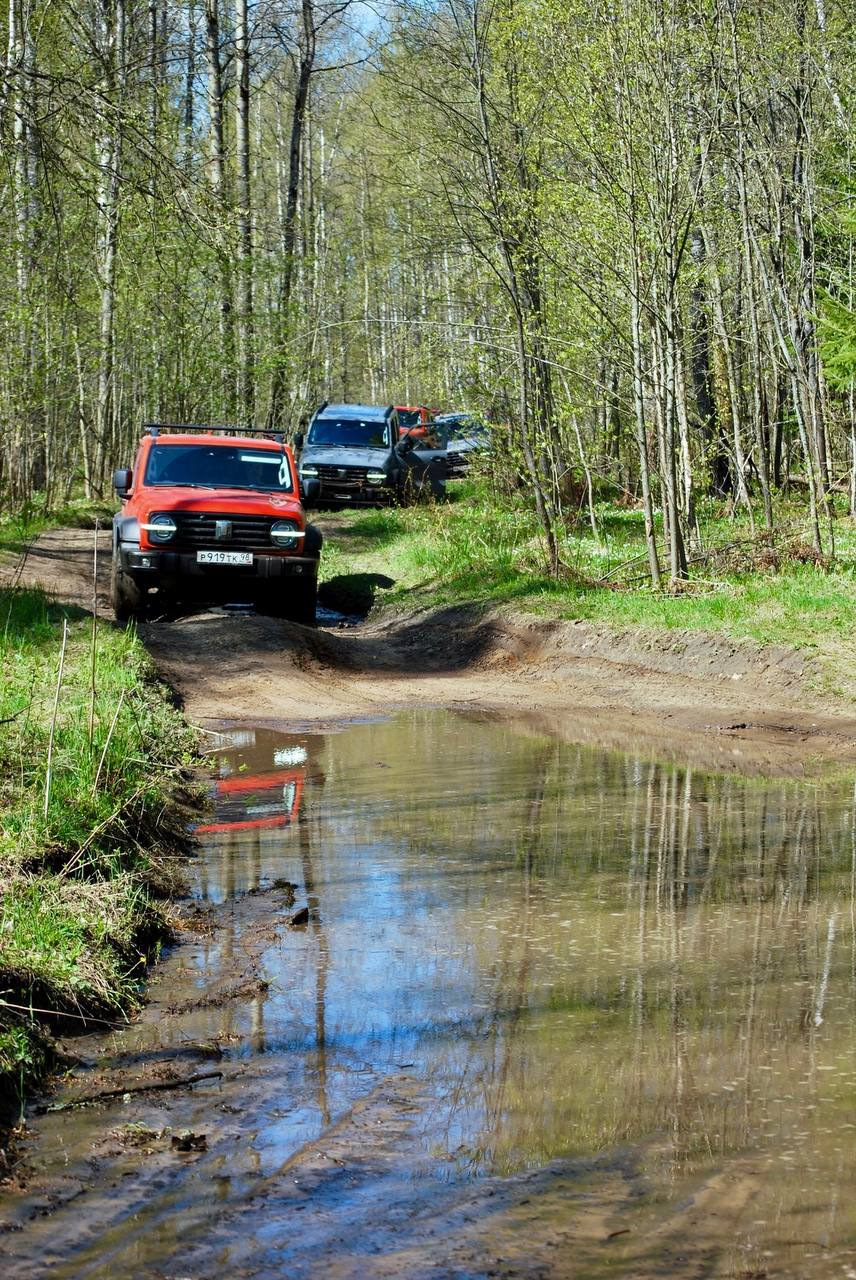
pixel 313 540
pixel 128 601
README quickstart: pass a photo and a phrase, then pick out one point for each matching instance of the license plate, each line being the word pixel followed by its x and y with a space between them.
pixel 224 557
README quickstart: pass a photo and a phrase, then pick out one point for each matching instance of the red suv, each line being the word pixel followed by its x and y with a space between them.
pixel 213 513
pixel 414 419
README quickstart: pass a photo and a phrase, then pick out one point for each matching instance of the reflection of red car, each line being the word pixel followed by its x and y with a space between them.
pixel 251 803
pixel 414 419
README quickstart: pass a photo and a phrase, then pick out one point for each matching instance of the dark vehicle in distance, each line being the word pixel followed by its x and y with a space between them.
pixel 464 435
pixel 354 455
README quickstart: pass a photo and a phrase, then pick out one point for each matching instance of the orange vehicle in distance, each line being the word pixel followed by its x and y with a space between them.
pixel 415 419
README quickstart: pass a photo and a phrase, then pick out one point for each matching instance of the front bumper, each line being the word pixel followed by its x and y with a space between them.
pixel 168 568
pixel 352 488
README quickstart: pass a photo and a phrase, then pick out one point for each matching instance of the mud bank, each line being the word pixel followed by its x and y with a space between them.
pixel 709 700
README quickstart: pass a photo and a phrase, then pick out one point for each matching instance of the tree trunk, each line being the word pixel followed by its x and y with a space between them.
pixel 246 319
pixel 639 420
pixel 109 160
pixel 217 178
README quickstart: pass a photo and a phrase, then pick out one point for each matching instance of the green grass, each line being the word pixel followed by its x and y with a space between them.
pixel 82 855
pixel 475 548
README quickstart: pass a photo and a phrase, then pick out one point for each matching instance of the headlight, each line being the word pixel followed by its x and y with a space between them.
pixel 375 477
pixel 309 471
pixel 285 533
pixel 160 528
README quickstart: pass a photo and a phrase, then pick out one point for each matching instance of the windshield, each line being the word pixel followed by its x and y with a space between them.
pixel 218 467
pixel 409 417
pixel 464 428
pixel 352 433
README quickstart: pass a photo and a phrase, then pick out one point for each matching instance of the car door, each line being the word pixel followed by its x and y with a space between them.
pixel 429 460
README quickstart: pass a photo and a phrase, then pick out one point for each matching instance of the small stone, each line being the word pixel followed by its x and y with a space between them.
pixel 189 1141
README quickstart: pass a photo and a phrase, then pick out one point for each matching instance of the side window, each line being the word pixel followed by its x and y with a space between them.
pixel 432 439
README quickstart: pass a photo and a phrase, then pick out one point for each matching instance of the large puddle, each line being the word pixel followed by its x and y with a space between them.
pixel 554 1012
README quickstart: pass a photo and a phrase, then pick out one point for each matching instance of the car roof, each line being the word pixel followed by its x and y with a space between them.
pixel 203 437
pixel 354 411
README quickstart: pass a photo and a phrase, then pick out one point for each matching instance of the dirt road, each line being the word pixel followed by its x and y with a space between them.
pixel 707 700
pixel 242 1023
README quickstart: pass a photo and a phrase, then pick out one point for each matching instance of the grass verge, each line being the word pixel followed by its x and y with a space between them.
pixel 89 749
pixel 476 547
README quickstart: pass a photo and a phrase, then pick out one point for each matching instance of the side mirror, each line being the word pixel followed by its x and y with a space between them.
pixel 122 481
pixel 310 490
pixel 298 440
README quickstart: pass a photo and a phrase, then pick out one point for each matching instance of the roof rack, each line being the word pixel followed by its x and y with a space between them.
pixel 232 429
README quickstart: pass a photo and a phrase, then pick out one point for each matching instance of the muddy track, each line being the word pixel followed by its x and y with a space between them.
pixel 700 698
pixel 105 1189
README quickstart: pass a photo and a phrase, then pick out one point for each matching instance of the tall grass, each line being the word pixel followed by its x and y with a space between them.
pixel 77 859
pixel 477 548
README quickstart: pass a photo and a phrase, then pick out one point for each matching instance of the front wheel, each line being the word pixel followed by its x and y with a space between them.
pixel 127 599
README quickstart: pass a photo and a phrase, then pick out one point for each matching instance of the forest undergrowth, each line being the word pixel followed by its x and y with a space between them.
pixel 91 774
pixel 773 588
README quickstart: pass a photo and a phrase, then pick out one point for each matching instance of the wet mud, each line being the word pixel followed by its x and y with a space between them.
pixel 696 698
pixel 458 998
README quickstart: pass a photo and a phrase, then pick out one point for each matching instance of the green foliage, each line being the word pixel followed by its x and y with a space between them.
pixel 475 203
pixel 838 343
pixel 78 876
pixel 21 526
pixel 774 591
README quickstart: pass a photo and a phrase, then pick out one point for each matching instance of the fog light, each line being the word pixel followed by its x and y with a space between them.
pixel 375 477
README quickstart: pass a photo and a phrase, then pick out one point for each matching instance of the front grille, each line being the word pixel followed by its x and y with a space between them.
pixel 199 529
pixel 342 477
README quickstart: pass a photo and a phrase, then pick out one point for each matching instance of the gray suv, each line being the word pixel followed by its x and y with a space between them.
pixel 354 455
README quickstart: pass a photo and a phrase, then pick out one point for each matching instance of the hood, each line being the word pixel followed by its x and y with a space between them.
pixel 343 456
pixel 237 501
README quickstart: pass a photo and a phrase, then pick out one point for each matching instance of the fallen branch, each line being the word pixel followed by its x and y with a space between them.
pixel 185 1081
pixel 61 1013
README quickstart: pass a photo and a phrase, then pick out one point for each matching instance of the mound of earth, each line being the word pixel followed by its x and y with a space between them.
pixel 705 699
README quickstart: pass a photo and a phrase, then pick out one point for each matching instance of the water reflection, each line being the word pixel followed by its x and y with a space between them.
pixel 256 789
pixel 583 949
pixel 573 953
